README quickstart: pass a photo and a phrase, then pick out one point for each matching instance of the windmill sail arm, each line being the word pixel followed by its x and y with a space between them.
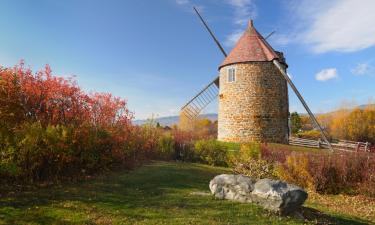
pixel 312 117
pixel 211 33
pixel 216 82
pixel 192 109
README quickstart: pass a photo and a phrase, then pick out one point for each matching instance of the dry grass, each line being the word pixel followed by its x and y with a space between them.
pixel 357 206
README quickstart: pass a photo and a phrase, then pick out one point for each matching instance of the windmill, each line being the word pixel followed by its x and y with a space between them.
pixel 252 91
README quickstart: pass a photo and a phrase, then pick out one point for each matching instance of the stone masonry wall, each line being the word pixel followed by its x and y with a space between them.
pixel 255 106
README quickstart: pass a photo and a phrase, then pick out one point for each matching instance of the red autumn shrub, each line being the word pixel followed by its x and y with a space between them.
pixel 50 128
pixel 183 143
pixel 278 155
pixel 343 172
pixel 339 172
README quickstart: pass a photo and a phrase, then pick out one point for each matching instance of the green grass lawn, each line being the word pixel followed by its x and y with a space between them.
pixel 158 193
pixel 276 146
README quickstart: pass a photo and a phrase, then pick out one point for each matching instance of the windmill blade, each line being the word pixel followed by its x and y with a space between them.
pixel 312 117
pixel 269 35
pixel 211 33
pixel 192 109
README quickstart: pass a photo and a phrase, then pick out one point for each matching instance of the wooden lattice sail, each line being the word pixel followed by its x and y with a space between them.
pixel 191 110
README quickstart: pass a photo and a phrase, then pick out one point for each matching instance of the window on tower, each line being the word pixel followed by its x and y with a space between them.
pixel 231 75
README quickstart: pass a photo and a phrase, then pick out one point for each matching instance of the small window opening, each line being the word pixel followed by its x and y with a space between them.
pixel 231 75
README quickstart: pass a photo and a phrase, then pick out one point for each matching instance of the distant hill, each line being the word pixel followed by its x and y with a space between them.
pixel 349 109
pixel 365 106
pixel 170 120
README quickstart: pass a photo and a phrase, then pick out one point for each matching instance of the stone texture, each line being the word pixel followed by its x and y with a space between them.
pixel 232 187
pixel 274 195
pixel 255 106
pixel 278 196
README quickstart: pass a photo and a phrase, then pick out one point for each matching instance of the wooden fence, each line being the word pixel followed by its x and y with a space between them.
pixel 342 145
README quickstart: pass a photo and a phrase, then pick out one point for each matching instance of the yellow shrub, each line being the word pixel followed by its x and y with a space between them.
pixel 357 125
pixel 248 161
pixel 255 168
pixel 295 170
pixel 250 151
pixel 310 134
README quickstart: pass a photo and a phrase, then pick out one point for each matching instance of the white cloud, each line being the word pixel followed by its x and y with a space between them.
pixel 188 5
pixel 281 39
pixel 232 38
pixel 362 69
pixel 327 74
pixel 244 10
pixel 337 25
pixel 182 2
pixel 173 111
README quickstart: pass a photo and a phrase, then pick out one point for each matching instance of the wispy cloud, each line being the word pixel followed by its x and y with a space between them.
pixel 233 37
pixel 188 5
pixel 243 11
pixel 183 2
pixel 281 39
pixel 327 74
pixel 364 68
pixel 338 25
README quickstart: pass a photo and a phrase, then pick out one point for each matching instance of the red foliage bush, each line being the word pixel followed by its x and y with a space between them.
pixel 50 128
pixel 51 100
pixel 340 172
pixel 274 155
pixel 332 173
pixel 183 142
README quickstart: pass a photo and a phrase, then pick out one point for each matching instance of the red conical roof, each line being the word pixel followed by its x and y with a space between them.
pixel 249 48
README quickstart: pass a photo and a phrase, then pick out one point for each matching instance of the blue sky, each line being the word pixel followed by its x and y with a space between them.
pixel 157 55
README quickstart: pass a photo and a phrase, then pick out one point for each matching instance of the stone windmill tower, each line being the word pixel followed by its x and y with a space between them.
pixel 253 92
pixel 253 97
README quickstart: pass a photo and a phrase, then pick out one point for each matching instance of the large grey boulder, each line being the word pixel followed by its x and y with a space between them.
pixel 279 196
pixel 232 187
pixel 274 195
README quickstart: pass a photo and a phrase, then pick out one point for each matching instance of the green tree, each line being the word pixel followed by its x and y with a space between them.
pixel 295 121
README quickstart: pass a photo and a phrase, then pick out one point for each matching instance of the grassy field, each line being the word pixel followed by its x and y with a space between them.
pixel 158 193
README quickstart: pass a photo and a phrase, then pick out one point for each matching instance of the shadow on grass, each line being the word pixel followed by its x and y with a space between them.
pixel 317 217
pixel 152 194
